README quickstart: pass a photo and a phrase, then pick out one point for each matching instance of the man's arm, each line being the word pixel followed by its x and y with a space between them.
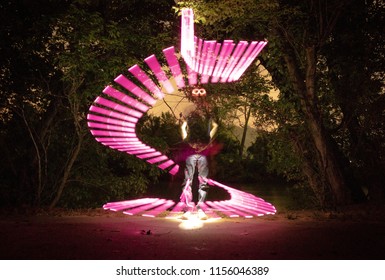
pixel 214 128
pixel 184 130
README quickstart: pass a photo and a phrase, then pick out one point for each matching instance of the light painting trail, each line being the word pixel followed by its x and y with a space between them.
pixel 113 117
pixel 240 204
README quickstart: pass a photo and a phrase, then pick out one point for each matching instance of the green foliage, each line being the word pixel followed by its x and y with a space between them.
pixel 333 109
pixel 106 175
pixel 57 56
pixel 161 132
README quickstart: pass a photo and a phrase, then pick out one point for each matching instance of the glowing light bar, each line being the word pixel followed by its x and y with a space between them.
pixel 149 155
pixel 201 55
pixel 157 159
pixel 110 127
pixel 126 83
pixel 210 60
pixel 192 76
pixel 160 209
pixel 174 66
pixel 147 82
pixel 122 205
pixel 154 64
pixel 166 164
pixel 187 35
pixel 227 48
pixel 240 204
pixel 145 207
pixel 111 133
pixel 241 46
pixel 119 140
pixel 118 107
pixel 138 152
pixel 176 210
pixel 101 119
pixel 125 98
pixel 174 170
pixel 113 118
pixel 113 114
pixel 246 61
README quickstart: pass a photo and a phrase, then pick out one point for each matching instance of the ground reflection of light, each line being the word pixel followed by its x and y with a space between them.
pixel 191 223
pixel 194 222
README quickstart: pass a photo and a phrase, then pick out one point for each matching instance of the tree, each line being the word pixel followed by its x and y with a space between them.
pixel 355 63
pixel 299 34
pixel 236 103
pixel 58 55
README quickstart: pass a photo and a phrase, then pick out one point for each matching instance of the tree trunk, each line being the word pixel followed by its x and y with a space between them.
pixel 74 102
pixel 244 132
pixel 67 173
pixel 39 187
pixel 315 182
pixel 304 87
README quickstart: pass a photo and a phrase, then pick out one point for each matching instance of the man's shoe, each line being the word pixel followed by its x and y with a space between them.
pixel 186 215
pixel 202 215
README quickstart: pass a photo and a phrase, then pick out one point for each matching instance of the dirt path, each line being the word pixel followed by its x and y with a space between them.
pixel 116 236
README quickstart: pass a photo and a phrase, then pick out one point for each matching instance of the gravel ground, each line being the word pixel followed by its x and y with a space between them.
pixel 99 235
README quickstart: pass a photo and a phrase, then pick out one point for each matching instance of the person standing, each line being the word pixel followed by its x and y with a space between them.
pixel 198 131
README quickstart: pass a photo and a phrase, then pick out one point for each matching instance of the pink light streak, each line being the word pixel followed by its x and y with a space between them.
pixel 201 55
pixel 174 66
pixel 117 107
pixel 113 114
pixel 240 204
pixel 154 64
pixel 224 56
pixel 110 127
pixel 125 98
pixel 187 35
pixel 146 81
pixel 102 119
pixel 125 82
pixel 113 117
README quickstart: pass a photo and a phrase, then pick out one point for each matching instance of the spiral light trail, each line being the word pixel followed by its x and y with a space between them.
pixel 113 116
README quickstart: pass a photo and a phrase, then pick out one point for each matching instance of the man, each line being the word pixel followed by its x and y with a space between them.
pixel 198 131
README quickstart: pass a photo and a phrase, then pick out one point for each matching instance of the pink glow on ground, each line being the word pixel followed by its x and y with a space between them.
pixel 176 210
pixel 138 210
pixel 160 209
pixel 122 205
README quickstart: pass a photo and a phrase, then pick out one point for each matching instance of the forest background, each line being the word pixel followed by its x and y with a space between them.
pixel 324 134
